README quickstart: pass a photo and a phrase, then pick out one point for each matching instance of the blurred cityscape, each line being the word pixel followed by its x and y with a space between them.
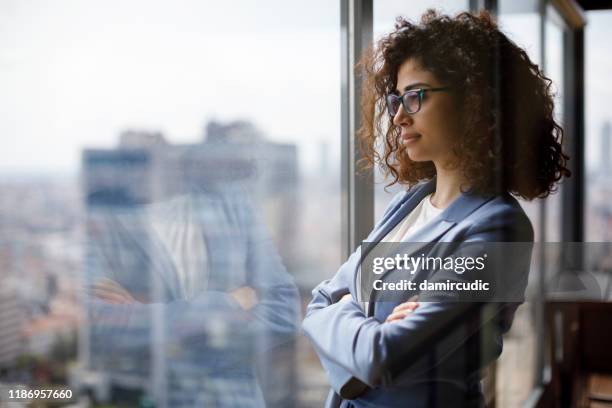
pixel 598 214
pixel 46 236
pixel 66 94
pixel 44 241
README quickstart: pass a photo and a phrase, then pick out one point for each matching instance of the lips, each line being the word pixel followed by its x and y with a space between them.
pixel 410 137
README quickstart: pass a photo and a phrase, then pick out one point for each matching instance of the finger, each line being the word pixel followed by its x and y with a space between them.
pixel 107 283
pixel 397 316
pixel 109 299
pixel 406 306
pixel 103 288
pixel 404 309
pixel 392 319
pixel 110 296
pixel 112 286
pixel 118 290
pixel 107 293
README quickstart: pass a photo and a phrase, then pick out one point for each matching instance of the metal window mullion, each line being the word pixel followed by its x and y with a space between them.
pixel 539 302
pixel 572 228
pixel 489 5
pixel 357 203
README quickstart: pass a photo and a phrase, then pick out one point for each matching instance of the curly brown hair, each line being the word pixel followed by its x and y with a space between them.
pixel 511 141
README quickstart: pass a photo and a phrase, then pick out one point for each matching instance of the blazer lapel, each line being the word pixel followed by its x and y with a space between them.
pixel 417 242
pixel 391 220
pixel 405 207
pixel 463 206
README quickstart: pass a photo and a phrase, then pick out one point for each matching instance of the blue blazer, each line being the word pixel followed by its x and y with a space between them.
pixel 433 357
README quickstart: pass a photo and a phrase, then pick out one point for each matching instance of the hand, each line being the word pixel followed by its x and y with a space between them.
pixel 245 296
pixel 402 310
pixel 112 292
pixel 346 298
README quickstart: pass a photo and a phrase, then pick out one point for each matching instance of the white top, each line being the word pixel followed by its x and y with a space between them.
pixel 417 219
pixel 414 221
pixel 177 227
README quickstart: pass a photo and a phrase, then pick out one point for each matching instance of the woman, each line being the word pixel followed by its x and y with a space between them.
pixel 466 121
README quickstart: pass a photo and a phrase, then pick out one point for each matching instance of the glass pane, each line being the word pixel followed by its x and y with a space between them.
pixel 165 169
pixel 554 71
pixel 516 369
pixel 522 25
pixel 598 128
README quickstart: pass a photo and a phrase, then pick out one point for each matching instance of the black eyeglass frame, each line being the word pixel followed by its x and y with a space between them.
pixel 421 94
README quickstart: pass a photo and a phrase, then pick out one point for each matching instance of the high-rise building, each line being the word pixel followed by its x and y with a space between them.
pixel 143 170
pixel 12 319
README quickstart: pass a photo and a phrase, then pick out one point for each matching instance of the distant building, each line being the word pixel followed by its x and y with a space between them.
pixel 239 131
pixel 12 320
pixel 138 139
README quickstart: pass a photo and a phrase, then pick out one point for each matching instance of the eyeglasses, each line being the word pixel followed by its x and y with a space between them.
pixel 411 100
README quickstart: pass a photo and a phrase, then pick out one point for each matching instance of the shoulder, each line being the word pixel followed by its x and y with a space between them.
pixel 503 218
pixel 401 196
pixel 396 200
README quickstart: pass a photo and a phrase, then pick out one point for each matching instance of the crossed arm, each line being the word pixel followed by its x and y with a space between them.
pixel 266 303
pixel 359 351
pixel 355 347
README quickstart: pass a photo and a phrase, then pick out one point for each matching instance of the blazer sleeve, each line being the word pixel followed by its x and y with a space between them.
pixel 329 292
pixel 373 351
pixel 332 290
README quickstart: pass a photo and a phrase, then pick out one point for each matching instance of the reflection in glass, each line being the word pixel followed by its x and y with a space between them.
pixel 554 70
pixel 172 69
pixel 516 369
pixel 187 289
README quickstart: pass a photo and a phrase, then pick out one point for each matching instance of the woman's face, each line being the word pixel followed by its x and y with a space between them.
pixel 427 134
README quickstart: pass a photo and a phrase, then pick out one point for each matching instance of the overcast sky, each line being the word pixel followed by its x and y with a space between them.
pixel 74 73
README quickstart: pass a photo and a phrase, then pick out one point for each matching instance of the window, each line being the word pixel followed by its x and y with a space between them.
pixel 173 149
pixel 598 129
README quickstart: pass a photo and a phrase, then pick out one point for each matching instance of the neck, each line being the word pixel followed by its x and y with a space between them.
pixel 448 186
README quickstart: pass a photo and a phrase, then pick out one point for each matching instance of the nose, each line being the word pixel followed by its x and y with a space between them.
pixel 402 118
